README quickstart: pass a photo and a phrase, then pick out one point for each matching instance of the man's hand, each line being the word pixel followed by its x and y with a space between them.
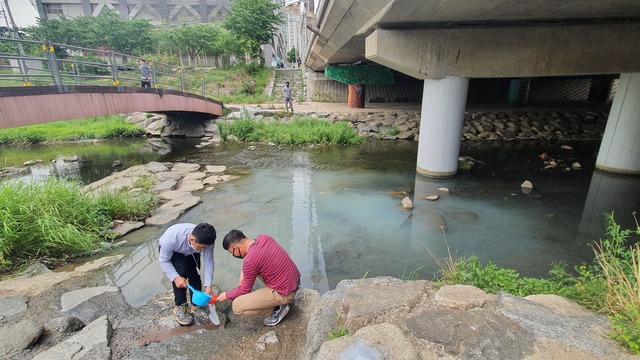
pixel 208 290
pixel 222 297
pixel 180 282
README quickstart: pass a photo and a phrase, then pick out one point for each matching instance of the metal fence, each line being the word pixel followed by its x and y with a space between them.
pixel 33 63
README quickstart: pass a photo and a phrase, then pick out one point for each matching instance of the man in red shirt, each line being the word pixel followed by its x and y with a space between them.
pixel 262 258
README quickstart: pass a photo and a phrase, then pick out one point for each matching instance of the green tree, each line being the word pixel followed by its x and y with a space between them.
pixel 253 23
pixel 195 39
pixel 291 55
pixel 108 29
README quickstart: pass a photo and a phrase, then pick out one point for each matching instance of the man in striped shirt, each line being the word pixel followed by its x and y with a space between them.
pixel 262 258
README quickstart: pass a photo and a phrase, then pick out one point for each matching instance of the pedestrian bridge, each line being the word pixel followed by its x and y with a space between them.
pixel 62 82
pixel 30 105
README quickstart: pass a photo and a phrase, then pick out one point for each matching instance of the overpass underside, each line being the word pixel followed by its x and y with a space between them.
pixel 447 43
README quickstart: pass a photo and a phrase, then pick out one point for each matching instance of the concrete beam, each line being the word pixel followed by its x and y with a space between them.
pixel 483 52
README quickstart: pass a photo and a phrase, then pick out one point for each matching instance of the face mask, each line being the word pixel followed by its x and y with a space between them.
pixel 237 256
pixel 194 249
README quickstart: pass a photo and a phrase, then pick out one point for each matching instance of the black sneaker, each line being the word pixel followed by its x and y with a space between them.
pixel 279 312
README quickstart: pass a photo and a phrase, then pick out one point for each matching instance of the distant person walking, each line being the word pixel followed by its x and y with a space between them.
pixel 145 74
pixel 286 90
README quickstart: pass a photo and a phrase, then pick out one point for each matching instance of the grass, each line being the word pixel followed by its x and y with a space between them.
pixel 609 285
pixel 298 131
pixel 101 127
pixel 55 219
pixel 341 331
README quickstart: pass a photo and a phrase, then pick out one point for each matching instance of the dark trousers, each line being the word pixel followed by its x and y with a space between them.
pixel 145 83
pixel 186 266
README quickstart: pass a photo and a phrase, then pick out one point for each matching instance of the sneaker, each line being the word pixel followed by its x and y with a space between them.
pixel 279 312
pixel 183 316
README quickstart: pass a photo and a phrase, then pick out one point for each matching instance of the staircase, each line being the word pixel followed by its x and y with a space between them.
pixel 296 83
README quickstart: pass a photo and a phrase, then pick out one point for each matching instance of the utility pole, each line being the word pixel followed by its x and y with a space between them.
pixel 14 28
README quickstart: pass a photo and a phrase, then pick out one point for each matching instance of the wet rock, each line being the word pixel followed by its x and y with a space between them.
pixel 155 167
pixel 19 336
pixel 407 203
pixel 34 269
pixel 185 167
pixel 526 187
pixel 165 186
pixel 444 190
pixel 432 197
pixel 190 185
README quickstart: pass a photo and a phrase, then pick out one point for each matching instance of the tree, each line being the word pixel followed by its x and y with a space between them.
pixel 253 23
pixel 195 39
pixel 292 55
pixel 107 29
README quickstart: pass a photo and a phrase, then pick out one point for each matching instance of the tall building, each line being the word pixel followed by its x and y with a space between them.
pixel 159 12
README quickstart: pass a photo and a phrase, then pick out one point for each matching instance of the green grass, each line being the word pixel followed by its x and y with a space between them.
pixel 298 131
pixel 609 285
pixel 55 219
pixel 101 127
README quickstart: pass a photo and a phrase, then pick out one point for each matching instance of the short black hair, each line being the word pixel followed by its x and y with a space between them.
pixel 204 234
pixel 232 237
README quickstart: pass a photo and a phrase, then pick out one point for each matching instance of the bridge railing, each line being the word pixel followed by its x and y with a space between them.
pixel 33 63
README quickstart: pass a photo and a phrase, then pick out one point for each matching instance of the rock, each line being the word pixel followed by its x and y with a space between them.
pixel 98 263
pixel 19 336
pixel 127 227
pixel 88 304
pixel 215 169
pixel 13 305
pixel 467 334
pixel 65 324
pixel 34 269
pixel 407 203
pixel 432 197
pixel 116 163
pixel 576 166
pixel 92 342
pixel 462 297
pixel 583 332
pixel 156 167
pixel 266 340
pixel 444 190
pixel 32 162
pixel 526 187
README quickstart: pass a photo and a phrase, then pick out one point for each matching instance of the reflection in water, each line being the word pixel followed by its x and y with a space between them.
pixel 304 219
pixel 606 193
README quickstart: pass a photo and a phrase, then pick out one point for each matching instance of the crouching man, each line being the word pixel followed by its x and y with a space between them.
pixel 262 258
pixel 180 248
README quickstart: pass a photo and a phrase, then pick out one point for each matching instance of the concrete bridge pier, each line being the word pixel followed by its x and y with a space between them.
pixel 620 150
pixel 441 120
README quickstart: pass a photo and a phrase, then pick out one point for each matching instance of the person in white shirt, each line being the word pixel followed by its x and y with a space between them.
pixel 181 247
pixel 286 90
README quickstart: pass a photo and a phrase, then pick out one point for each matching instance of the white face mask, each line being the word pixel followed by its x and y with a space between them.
pixel 194 249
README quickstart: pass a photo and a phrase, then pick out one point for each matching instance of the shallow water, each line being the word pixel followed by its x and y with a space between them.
pixel 337 210
pixel 332 209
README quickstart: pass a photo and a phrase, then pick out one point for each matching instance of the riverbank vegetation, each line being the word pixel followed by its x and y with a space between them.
pixel 100 127
pixel 296 132
pixel 56 219
pixel 609 285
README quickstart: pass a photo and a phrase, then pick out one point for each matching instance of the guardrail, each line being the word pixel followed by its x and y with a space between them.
pixel 61 65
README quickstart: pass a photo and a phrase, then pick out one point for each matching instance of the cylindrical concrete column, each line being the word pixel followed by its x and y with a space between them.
pixel 620 149
pixel 443 104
